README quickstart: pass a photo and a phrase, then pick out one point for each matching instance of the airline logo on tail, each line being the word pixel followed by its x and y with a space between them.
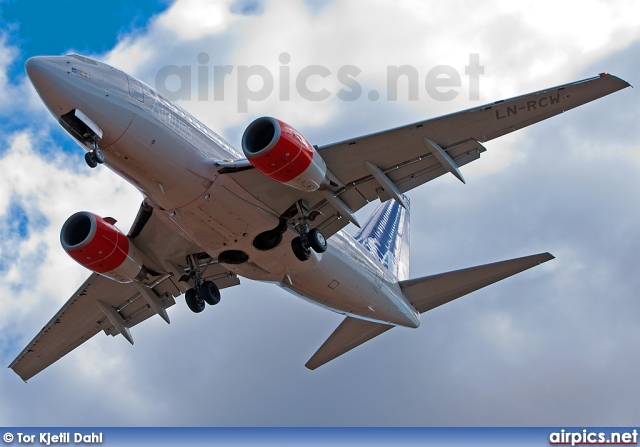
pixel 386 235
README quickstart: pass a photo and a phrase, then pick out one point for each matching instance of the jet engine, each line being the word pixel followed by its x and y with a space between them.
pixel 95 243
pixel 281 153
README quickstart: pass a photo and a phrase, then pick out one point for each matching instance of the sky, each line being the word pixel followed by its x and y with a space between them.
pixel 558 345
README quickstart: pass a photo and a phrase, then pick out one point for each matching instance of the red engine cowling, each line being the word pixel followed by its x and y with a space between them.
pixel 101 247
pixel 280 152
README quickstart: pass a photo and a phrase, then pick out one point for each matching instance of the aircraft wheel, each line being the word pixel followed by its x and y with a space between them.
pixel 98 156
pixel 210 292
pixel 91 161
pixel 317 241
pixel 196 305
pixel 301 252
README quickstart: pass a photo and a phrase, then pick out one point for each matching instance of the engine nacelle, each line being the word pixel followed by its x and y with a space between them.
pixel 280 152
pixel 99 246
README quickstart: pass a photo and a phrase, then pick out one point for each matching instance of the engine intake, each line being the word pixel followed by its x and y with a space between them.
pixel 281 153
pixel 98 245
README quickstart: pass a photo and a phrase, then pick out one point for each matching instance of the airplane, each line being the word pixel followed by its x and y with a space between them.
pixel 275 212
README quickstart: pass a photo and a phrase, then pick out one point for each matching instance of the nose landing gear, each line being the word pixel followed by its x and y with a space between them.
pixel 86 132
pixel 95 156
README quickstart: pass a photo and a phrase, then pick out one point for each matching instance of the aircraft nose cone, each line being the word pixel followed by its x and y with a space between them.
pixel 39 73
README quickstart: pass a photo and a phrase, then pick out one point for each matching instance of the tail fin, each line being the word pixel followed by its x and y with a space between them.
pixel 386 235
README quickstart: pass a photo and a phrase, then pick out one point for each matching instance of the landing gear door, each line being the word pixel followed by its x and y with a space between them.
pixel 89 123
pixel 80 126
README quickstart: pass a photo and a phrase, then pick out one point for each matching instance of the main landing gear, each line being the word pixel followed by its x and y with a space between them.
pixel 203 292
pixel 95 156
pixel 308 239
pixel 207 293
pixel 311 240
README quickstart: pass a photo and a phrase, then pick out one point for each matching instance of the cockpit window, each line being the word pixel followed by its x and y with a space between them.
pixel 84 59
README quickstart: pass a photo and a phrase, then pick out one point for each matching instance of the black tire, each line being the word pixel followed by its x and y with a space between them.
pixel 301 252
pixel 91 161
pixel 193 302
pixel 98 156
pixel 210 293
pixel 317 241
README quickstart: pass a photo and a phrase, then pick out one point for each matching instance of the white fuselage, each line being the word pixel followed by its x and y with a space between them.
pixel 169 156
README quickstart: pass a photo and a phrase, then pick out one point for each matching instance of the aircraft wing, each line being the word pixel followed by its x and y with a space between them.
pixel 101 304
pixel 411 155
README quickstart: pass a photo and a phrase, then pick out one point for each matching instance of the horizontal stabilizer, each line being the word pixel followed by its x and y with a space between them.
pixel 425 293
pixel 429 292
pixel 351 333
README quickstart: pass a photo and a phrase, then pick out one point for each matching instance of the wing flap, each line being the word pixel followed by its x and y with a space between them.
pixel 431 169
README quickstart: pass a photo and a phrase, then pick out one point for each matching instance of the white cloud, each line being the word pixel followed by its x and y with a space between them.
pixel 522 48
pixel 55 189
pixel 7 55
pixel 195 19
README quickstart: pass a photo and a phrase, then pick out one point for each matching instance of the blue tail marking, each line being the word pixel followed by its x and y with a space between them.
pixel 386 235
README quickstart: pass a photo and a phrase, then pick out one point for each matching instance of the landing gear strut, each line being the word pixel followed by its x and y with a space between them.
pixel 203 292
pixel 95 156
pixel 308 239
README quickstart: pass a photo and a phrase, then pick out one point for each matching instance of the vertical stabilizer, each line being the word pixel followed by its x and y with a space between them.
pixel 386 235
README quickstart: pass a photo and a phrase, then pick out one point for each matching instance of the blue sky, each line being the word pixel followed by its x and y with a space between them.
pixel 41 28
pixel 35 28
pixel 557 345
